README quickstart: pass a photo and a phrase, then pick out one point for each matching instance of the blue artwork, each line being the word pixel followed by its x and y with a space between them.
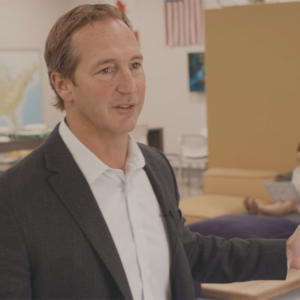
pixel 197 72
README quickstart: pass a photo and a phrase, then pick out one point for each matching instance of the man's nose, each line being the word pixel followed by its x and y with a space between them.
pixel 127 85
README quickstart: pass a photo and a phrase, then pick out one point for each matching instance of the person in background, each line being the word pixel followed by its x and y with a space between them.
pixel 279 208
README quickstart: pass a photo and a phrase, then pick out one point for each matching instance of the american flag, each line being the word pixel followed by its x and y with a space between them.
pixel 184 22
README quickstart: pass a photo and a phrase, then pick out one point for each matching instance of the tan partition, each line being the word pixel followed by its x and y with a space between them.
pixel 253 86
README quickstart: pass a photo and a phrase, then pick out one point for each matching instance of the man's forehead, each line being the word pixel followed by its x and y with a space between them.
pixel 106 41
pixel 105 35
pixel 105 28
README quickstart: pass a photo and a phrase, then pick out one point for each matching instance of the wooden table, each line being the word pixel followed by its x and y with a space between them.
pixel 253 290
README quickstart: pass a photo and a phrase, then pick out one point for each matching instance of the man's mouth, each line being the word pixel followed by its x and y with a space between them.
pixel 124 106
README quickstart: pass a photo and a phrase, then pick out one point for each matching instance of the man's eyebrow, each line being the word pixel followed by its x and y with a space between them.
pixel 113 60
pixel 140 56
pixel 102 62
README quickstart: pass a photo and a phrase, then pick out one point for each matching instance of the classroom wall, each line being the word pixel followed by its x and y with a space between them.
pixel 169 104
pixel 24 24
pixel 253 86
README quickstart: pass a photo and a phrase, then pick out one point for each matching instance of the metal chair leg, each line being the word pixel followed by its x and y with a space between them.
pixel 189 175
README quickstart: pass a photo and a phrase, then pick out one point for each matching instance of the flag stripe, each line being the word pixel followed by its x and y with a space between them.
pixel 186 14
pixel 195 21
pixel 173 23
pixel 166 23
pixel 189 19
pixel 178 23
pixel 182 25
pixel 184 22
pixel 201 22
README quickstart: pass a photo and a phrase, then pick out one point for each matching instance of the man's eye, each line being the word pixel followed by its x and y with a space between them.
pixel 136 65
pixel 104 71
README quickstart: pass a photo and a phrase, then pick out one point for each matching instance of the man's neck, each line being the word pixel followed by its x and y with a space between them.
pixel 110 149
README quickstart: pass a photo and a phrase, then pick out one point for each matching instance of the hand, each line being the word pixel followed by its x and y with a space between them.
pixel 293 249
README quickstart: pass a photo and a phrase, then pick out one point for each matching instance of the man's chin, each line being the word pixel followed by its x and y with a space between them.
pixel 128 126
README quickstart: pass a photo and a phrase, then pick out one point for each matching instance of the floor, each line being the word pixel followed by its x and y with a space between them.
pixel 190 185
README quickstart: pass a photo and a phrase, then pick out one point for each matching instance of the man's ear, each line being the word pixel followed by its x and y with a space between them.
pixel 62 86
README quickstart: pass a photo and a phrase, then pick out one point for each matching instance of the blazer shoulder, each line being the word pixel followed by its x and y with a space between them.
pixel 32 160
pixel 158 168
pixel 153 154
pixel 31 166
pixel 28 172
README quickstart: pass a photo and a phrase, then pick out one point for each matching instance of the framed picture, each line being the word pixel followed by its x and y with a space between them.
pixel 197 72
pixel 20 88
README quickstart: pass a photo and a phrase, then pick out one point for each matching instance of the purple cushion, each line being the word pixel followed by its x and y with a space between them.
pixel 246 226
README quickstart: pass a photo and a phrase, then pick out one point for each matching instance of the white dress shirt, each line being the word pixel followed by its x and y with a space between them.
pixel 132 214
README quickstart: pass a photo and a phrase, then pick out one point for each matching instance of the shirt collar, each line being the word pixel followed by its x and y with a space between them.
pixel 135 157
pixel 89 164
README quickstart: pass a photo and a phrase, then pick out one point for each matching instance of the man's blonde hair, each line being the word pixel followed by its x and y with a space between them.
pixel 59 54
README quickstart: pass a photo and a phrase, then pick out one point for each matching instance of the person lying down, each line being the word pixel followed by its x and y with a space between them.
pixel 279 208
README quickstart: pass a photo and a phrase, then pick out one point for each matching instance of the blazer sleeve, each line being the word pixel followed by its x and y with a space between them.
pixel 215 260
pixel 14 263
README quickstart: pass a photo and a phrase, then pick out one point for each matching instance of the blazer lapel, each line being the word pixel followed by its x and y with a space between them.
pixel 164 198
pixel 73 190
pixel 159 176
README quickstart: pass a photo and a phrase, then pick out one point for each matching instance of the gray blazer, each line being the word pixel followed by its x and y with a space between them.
pixel 55 244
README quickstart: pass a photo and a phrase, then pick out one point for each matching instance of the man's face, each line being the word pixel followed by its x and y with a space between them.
pixel 110 81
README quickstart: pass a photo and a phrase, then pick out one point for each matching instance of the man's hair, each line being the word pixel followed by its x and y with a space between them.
pixel 60 55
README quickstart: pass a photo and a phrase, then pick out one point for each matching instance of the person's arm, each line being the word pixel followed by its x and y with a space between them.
pixel 216 260
pixel 15 277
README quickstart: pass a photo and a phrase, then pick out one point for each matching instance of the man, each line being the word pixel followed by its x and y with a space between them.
pixel 91 215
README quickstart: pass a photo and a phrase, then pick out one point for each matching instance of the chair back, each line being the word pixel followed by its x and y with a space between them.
pixel 204 132
pixel 193 146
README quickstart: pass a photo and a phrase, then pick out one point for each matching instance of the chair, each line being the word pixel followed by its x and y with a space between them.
pixel 193 152
pixel 204 132
pixel 173 159
pixel 140 134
